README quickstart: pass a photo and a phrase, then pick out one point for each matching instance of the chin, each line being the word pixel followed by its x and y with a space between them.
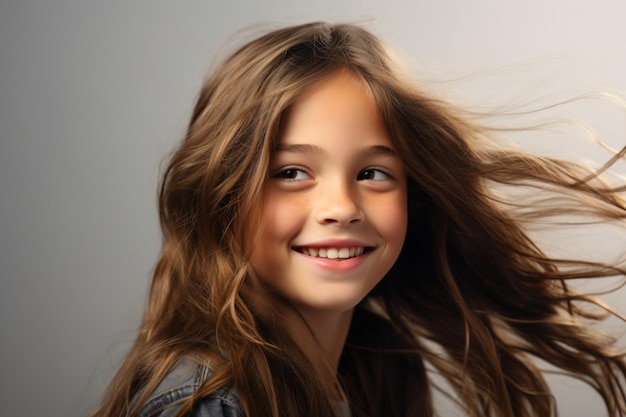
pixel 331 305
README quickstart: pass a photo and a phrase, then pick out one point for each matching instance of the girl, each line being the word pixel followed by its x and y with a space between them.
pixel 334 237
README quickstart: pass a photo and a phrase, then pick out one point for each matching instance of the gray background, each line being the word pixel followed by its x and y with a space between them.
pixel 93 94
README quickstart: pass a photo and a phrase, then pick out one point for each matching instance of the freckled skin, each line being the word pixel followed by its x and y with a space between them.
pixel 334 180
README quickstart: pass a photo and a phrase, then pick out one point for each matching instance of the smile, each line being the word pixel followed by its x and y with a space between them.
pixel 333 253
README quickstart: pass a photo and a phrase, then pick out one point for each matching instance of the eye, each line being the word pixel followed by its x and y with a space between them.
pixel 373 174
pixel 292 174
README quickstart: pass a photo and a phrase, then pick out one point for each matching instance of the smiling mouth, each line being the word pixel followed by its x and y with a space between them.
pixel 338 254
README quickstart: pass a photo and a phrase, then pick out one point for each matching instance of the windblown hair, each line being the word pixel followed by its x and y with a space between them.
pixel 471 298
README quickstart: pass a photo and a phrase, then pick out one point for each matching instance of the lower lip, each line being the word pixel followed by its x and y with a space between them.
pixel 334 265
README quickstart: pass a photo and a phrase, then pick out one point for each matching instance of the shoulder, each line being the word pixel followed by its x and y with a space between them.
pixel 180 383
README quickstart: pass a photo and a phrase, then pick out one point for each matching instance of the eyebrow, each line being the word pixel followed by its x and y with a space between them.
pixel 312 149
pixel 297 148
pixel 380 150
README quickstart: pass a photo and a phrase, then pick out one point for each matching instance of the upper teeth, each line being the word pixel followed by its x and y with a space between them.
pixel 333 253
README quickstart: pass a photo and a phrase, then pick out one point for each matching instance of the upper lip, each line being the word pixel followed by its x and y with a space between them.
pixel 335 243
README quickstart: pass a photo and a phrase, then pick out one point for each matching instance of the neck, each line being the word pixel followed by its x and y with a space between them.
pixel 321 336
pixel 328 332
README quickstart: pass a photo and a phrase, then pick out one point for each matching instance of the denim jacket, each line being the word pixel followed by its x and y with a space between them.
pixel 183 380
pixel 180 383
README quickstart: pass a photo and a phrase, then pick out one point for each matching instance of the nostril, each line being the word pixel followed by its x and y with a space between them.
pixel 338 207
pixel 356 217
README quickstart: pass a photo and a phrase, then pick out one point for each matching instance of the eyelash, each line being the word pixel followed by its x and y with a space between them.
pixel 287 174
pixel 284 174
pixel 374 170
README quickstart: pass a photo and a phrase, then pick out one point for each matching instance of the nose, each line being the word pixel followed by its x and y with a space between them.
pixel 338 204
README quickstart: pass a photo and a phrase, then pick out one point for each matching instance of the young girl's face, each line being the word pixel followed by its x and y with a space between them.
pixel 335 213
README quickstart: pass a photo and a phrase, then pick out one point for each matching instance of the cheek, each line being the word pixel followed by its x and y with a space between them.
pixel 391 218
pixel 282 217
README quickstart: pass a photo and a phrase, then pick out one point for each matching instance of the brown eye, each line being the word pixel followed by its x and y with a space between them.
pixel 373 175
pixel 292 174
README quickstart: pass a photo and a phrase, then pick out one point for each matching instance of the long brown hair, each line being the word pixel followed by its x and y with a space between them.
pixel 471 297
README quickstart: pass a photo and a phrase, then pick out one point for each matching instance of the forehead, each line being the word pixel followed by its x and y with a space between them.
pixel 340 107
